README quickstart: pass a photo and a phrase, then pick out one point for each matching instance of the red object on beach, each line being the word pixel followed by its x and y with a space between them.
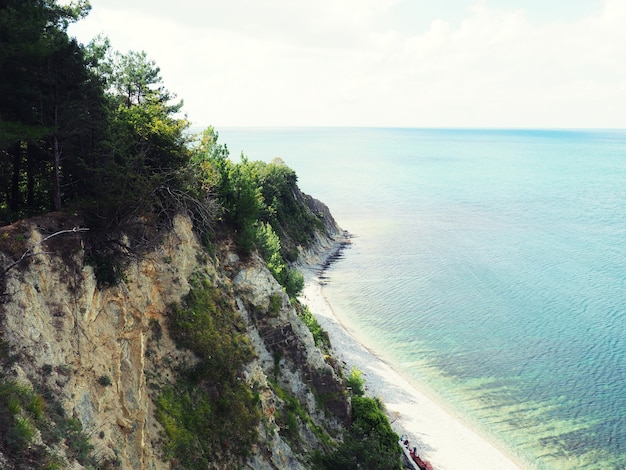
pixel 422 464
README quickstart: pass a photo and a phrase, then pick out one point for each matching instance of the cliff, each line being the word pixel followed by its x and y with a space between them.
pixel 94 376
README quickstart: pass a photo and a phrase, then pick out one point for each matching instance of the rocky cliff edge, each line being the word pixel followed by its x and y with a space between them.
pixel 83 365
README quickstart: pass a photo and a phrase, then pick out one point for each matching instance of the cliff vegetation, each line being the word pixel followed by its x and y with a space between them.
pixel 148 295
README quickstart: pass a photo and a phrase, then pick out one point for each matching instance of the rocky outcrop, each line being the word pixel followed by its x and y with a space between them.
pixel 93 350
pixel 87 346
pixel 324 241
pixel 286 347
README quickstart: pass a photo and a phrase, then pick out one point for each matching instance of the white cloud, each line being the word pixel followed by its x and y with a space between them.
pixel 345 63
pixel 497 69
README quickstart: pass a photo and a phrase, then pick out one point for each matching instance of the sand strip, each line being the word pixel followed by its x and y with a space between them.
pixel 439 436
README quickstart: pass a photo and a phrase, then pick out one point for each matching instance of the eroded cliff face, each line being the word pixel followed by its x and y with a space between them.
pixel 101 353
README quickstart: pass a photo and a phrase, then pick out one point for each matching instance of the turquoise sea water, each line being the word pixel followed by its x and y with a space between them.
pixel 488 266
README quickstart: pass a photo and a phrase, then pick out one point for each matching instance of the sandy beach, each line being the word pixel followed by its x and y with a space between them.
pixel 439 436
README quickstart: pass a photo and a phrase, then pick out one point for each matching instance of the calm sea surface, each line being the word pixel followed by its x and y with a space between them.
pixel 488 266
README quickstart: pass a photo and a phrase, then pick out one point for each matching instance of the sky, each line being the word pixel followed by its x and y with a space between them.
pixel 381 63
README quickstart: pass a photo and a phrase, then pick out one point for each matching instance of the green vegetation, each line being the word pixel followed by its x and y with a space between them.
pixel 209 414
pixel 83 126
pixel 288 418
pixel 88 130
pixel 94 131
pixel 50 104
pixel 282 208
pixel 258 200
pixel 319 335
pixel 23 413
pixel 105 381
pixel 369 443
pixel 276 302
pixel 356 382
pixel 270 248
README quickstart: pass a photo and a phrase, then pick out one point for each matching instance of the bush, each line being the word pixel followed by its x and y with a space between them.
pixel 356 381
pixel 210 413
pixel 24 412
pixel 107 268
pixel 276 303
pixel 293 282
pixel 281 206
pixel 370 442
pixel 36 406
pixel 319 335
pixel 105 380
pixel 289 415
pixel 20 435
pixel 78 442
pixel 269 247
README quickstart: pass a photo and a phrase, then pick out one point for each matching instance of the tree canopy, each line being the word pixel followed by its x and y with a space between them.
pixel 81 126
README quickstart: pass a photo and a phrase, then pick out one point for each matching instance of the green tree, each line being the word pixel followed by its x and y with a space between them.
pixel 137 79
pixel 38 80
pixel 72 109
pixel 145 148
pixel 235 185
pixel 284 206
pixel 243 202
pixel 370 443
pixel 269 246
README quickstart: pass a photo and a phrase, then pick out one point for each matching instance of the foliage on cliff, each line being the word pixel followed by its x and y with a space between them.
pixel 370 441
pixel 32 422
pixel 91 131
pixel 81 126
pixel 210 412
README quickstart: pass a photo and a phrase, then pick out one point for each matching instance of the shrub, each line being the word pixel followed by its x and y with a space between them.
pixel 356 381
pixel 293 282
pixel 23 412
pixel 281 205
pixel 287 417
pixel 20 435
pixel 269 246
pixel 36 406
pixel 276 302
pixel 77 442
pixel 105 380
pixel 319 335
pixel 370 442
pixel 210 413
pixel 107 268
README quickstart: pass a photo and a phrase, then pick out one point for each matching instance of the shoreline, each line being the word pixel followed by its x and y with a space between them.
pixel 440 436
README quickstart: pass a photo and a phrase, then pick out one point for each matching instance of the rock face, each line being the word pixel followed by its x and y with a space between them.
pixel 93 351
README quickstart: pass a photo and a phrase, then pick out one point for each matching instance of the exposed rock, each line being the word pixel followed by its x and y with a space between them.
pixel 99 352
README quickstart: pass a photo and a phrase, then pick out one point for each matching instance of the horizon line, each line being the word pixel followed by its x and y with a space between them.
pixel 450 128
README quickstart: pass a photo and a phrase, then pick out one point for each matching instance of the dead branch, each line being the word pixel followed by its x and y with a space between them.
pixel 31 251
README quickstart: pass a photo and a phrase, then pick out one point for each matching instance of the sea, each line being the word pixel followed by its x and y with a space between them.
pixel 487 266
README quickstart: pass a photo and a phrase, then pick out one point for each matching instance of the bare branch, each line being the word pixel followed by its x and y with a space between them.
pixel 202 212
pixel 31 251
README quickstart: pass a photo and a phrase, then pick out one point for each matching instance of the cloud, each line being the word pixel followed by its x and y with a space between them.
pixel 349 63
pixel 499 70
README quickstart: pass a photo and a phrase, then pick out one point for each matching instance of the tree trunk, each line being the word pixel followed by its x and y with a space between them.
pixel 56 174
pixel 15 199
pixel 30 180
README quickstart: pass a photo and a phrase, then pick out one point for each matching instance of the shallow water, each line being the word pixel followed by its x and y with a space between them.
pixel 489 266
